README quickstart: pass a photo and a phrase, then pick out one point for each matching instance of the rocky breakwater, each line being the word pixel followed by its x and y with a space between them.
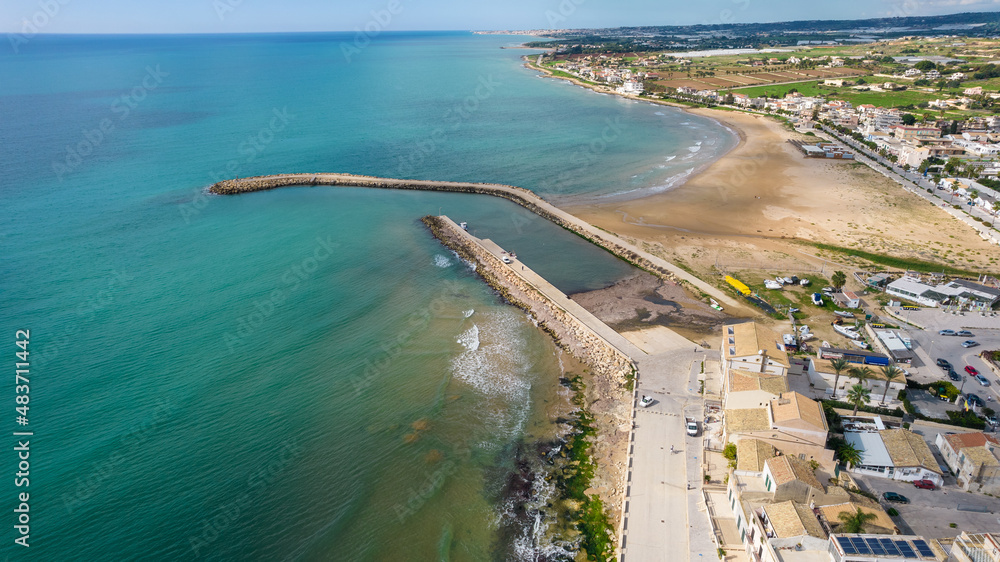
pixel 601 432
pixel 518 195
pixel 612 367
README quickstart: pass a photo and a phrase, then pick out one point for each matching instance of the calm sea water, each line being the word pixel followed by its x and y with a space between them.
pixel 302 374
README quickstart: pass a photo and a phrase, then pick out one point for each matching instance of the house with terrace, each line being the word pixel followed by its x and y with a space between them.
pixel 791 423
pixel 898 454
pixel 755 348
pixel 974 459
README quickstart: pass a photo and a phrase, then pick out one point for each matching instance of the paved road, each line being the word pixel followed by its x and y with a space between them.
pixel 666 514
pixel 930 512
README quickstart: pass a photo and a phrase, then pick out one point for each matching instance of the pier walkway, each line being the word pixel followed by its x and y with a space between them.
pixel 665 512
pixel 521 196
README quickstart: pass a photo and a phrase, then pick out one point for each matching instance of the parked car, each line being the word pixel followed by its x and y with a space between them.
pixel 646 401
pixel 692 427
pixel 924 484
pixel 946 332
pixel 943 363
pixel 969 343
pixel 894 497
pixel 971 370
pixel 982 380
pixel 953 375
pixel 992 420
pixel 975 400
pixel 964 333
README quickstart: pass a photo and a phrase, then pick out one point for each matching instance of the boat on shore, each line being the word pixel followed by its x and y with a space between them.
pixel 847 332
pixel 715 304
pixel 844 314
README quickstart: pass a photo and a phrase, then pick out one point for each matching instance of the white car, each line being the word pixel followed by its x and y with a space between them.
pixel 692 428
pixel 646 401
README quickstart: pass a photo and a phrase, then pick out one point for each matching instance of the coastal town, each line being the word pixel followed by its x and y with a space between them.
pixel 836 423
pixel 925 114
pixel 601 282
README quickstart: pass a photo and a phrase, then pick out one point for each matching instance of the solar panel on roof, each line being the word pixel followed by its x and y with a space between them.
pixel 874 545
pixel 923 548
pixel 861 546
pixel 846 546
pixel 890 547
pixel 906 550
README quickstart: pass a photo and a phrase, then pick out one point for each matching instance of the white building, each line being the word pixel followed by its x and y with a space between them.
pixel 958 291
pixel 630 87
pixel 976 547
pixel 897 454
pixel 754 347
pixel 880 548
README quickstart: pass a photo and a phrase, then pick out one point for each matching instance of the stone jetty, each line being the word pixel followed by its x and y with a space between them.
pixel 523 197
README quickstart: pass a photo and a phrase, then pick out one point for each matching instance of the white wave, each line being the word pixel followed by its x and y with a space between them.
pixel 671 157
pixel 669 183
pixel 659 113
pixel 442 261
pixel 695 148
pixel 469 313
pixel 470 338
pixel 493 362
pixel 536 541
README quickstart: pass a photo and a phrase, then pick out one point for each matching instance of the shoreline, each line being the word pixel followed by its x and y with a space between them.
pixel 762 206
pixel 593 483
pixel 575 202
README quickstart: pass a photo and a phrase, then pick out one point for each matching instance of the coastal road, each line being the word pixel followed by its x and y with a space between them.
pixel 917 184
pixel 665 514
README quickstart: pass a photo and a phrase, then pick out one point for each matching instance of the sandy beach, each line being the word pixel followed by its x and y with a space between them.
pixel 751 208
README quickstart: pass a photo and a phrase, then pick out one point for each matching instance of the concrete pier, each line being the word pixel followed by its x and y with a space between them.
pixel 663 513
pixel 523 197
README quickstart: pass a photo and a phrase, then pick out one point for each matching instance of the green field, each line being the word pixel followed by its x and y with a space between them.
pixel 885 99
pixel 811 88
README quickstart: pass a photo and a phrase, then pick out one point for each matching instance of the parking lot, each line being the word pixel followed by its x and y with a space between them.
pixel 929 345
pixel 930 512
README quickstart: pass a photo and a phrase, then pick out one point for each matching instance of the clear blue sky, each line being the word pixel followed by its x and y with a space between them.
pixel 210 16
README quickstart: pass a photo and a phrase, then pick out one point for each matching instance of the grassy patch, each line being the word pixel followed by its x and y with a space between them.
pixel 593 523
pixel 779 90
pixel 895 262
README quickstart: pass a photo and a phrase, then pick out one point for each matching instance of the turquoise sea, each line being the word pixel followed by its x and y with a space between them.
pixel 303 374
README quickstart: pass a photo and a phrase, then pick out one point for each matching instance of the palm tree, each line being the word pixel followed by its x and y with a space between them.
pixel 861 373
pixel 996 211
pixel 891 373
pixel 838 365
pixel 849 454
pixel 858 395
pixel 855 522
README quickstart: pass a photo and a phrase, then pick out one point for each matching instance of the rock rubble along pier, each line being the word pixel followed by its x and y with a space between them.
pixel 575 330
pixel 523 197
